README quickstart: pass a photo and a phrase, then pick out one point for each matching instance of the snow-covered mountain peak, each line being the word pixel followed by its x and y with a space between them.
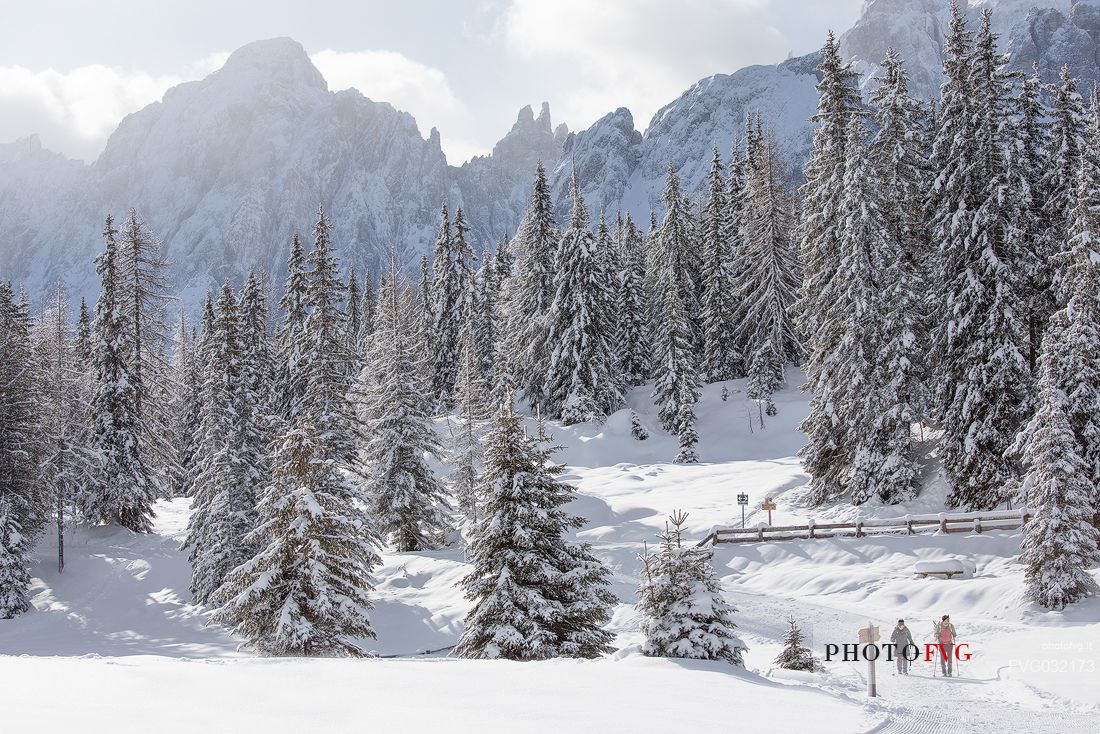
pixel 530 140
pixel 544 116
pixel 281 60
pixel 20 148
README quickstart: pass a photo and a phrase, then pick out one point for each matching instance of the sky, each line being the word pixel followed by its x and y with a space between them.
pixel 70 70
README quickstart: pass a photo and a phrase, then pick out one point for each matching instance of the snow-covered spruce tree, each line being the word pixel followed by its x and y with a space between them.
pixel 223 510
pixel 984 338
pixel 737 202
pixel 256 390
pixel 353 320
pixel 444 292
pixel 466 266
pixel 675 364
pixel 504 261
pixel 67 462
pixel 680 599
pixel 795 654
pixel 535 594
pixel 426 317
pixel 766 285
pixel 635 360
pixel 677 386
pixel 15 549
pixel 289 384
pixel 82 343
pixel 366 315
pixel 868 402
pixel 23 509
pixel 306 591
pixel 952 201
pixel 487 321
pixel 405 498
pixel 686 435
pixel 143 280
pixel 1060 541
pixel 183 409
pixel 466 450
pixel 898 157
pixel 610 272
pixel 202 346
pixel 766 370
pixel 581 380
pixel 822 196
pixel 652 250
pixel 1065 146
pixel 1031 132
pixel 500 380
pixel 531 292
pixel 1074 332
pixel 851 368
pixel 722 359
pixel 693 263
pixel 325 403
pixel 124 491
pixel 826 455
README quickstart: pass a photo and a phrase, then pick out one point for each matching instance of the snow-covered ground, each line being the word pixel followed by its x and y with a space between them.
pixel 119 623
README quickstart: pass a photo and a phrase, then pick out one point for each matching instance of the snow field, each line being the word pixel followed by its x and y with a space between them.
pixel 120 618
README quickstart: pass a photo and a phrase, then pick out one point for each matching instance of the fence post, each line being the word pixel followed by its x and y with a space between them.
pixel 859 529
pixel 943 524
pixel 908 526
pixel 978 525
pixel 760 532
pixel 810 527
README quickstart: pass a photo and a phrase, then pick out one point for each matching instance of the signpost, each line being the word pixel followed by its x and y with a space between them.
pixel 868 636
pixel 768 505
pixel 743 500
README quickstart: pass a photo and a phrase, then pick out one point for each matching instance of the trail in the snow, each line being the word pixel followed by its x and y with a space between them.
pixel 919 703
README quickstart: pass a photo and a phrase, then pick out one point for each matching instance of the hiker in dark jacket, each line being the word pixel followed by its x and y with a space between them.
pixel 902 639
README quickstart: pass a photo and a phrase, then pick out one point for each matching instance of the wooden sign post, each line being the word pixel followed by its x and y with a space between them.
pixel 743 500
pixel 867 636
pixel 768 505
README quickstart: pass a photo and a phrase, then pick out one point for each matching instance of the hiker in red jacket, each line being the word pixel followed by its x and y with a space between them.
pixel 945 636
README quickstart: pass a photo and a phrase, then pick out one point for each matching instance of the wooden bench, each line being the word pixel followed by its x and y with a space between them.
pixel 945 574
pixel 946 568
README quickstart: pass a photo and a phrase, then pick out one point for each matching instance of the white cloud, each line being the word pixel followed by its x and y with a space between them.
pixel 74 111
pixel 639 54
pixel 388 76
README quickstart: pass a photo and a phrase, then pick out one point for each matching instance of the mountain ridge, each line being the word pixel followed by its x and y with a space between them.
pixel 225 169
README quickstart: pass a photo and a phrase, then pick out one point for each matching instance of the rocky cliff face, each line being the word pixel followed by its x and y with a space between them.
pixel 1050 37
pixel 619 168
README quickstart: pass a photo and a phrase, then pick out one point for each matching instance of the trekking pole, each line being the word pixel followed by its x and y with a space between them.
pixel 933 657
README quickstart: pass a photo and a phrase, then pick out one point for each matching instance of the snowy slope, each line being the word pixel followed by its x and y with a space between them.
pixel 431 695
pixel 124 597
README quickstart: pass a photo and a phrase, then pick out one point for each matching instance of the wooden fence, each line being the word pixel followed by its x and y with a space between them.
pixel 968 522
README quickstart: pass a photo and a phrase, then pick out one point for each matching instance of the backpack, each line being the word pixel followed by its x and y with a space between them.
pixel 944 632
